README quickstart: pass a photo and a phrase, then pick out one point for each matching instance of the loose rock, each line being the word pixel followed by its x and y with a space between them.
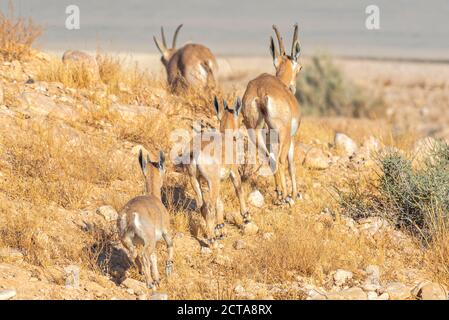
pixel 7 294
pixel 341 277
pixel 397 291
pixel 353 293
pixel 108 212
pixel 250 228
pixel 344 143
pixel 159 296
pixel 256 199
pixel 239 245
pixel 137 287
pixel 316 159
pixel 432 291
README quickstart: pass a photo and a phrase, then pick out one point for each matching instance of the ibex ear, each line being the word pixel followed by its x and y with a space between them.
pixel 296 51
pixel 217 108
pixel 237 107
pixel 273 52
pixel 161 161
pixel 142 162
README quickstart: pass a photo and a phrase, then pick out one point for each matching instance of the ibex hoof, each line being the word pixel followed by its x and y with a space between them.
pixel 290 201
pixel 219 226
pixel 153 285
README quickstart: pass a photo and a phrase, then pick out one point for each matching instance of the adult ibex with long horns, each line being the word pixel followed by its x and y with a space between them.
pixel 192 65
pixel 269 100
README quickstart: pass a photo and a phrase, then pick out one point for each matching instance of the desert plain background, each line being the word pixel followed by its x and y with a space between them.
pixel 372 222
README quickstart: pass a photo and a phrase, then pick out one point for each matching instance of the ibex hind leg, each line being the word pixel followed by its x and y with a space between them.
pixel 169 264
pixel 292 169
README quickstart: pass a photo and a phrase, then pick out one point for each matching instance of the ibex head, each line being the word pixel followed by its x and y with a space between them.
pixel 153 172
pixel 229 118
pixel 166 52
pixel 287 66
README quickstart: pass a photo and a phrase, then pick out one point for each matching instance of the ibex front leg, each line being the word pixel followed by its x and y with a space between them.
pixel 237 182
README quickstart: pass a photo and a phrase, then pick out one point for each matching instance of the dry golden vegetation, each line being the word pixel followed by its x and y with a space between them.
pixel 16 35
pixel 55 170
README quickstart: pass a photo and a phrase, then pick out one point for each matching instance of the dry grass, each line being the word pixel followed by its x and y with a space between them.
pixel 17 35
pixel 52 171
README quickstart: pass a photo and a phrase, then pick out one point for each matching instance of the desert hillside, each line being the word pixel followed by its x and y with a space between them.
pixel 372 170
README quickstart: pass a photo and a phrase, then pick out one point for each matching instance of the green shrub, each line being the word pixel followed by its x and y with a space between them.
pixel 416 199
pixel 323 90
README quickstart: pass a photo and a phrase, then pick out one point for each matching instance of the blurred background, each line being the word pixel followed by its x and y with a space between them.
pixel 409 29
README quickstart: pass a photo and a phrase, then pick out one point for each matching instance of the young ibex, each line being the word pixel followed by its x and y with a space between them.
pixel 144 220
pixel 213 169
pixel 269 100
pixel 192 65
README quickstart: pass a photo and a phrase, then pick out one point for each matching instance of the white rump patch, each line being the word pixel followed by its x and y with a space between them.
pixel 203 72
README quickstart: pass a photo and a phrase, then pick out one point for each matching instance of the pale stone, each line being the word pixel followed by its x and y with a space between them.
pixel 250 228
pixel 341 277
pixel 432 291
pixel 72 277
pixel 397 291
pixel 373 225
pixel 108 212
pixel 7 294
pixel 316 159
pixel 256 199
pixel 159 296
pixel 372 295
pixel 353 293
pixel 239 245
pixel 344 143
pixel 206 250
pixel 137 287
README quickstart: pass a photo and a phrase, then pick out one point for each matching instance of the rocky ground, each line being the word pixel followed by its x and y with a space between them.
pixel 343 258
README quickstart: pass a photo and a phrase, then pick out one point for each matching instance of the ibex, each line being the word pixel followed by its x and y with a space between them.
pixel 144 221
pixel 192 65
pixel 213 169
pixel 269 100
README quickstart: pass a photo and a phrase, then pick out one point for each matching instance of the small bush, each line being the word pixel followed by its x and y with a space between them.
pixel 414 198
pixel 419 197
pixel 16 35
pixel 323 90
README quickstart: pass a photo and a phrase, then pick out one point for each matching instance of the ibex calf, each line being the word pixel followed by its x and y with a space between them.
pixel 213 169
pixel 269 100
pixel 192 65
pixel 144 221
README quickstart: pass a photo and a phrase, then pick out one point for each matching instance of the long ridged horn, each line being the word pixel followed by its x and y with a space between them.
pixel 295 38
pixel 176 35
pixel 164 42
pixel 280 41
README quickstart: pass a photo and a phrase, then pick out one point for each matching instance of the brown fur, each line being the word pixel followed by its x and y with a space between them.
pixel 214 171
pixel 192 65
pixel 269 100
pixel 144 220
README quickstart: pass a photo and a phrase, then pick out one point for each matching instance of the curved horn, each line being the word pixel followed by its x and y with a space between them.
pixel 281 42
pixel 164 42
pixel 159 46
pixel 176 35
pixel 295 39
